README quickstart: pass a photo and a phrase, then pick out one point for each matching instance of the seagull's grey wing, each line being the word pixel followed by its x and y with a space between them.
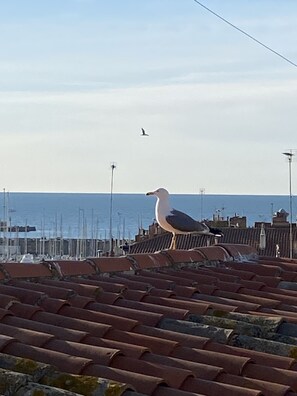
pixel 182 222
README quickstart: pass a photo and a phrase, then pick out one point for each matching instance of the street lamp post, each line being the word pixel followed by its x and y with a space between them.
pixel 113 166
pixel 290 155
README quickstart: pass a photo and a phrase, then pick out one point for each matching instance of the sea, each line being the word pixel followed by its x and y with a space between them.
pixel 93 215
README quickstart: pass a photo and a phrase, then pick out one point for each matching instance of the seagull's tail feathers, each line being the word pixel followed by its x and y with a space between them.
pixel 216 232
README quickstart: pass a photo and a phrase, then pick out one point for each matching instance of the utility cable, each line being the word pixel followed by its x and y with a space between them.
pixel 246 34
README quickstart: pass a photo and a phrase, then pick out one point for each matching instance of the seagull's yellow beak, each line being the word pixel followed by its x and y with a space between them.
pixel 150 193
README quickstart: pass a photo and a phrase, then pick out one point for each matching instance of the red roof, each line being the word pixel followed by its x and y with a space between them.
pixel 211 321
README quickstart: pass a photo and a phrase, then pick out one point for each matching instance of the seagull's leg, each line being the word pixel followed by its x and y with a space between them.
pixel 173 242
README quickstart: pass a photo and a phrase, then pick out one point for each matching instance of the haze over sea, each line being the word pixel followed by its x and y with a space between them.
pixel 78 215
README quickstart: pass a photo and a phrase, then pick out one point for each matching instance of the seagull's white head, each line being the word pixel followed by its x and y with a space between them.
pixel 160 193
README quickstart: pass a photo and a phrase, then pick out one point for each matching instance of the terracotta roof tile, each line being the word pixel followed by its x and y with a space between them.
pixel 155 344
pixel 173 376
pixel 74 365
pixel 98 317
pixel 134 351
pixel 98 355
pixel 7 301
pixel 106 284
pixel 80 288
pixel 230 363
pixel 137 295
pixel 203 371
pixel 19 270
pixel 51 291
pixel 24 295
pixel 193 307
pixel 271 374
pixel 111 264
pixel 25 310
pixel 147 318
pixel 58 331
pixel 170 312
pixel 215 253
pixel 195 322
pixel 211 388
pixel 183 256
pixel 142 383
pixel 267 388
pixel 26 336
pixel 182 338
pixel 73 267
pixel 257 357
pixel 142 260
pixel 96 329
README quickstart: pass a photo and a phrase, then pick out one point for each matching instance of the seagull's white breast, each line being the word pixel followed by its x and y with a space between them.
pixel 163 209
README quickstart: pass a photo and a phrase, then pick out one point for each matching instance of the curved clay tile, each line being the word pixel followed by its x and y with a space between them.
pixel 134 351
pixel 271 374
pixel 5 341
pixel 4 313
pixel 108 297
pixel 74 267
pixel 74 365
pixel 137 295
pixel 258 357
pixel 142 383
pixel 26 336
pixel 161 292
pixel 143 260
pixel 96 329
pixel 203 371
pixel 58 331
pixel 25 311
pixel 242 305
pixel 202 330
pixel 268 388
pixel 193 307
pixel 7 301
pixel 156 345
pixel 179 256
pixel 185 291
pixel 147 318
pixel 80 301
pixel 24 295
pixel 107 284
pixel 167 275
pixel 174 313
pixel 211 388
pixel 117 322
pixel 232 364
pixel 19 270
pixel 183 339
pixel 111 264
pixel 173 376
pixel 53 305
pixel 51 291
pixel 99 355
pixel 80 288
pixel 215 253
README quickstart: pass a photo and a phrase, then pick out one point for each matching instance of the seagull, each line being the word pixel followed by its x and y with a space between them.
pixel 177 222
pixel 143 132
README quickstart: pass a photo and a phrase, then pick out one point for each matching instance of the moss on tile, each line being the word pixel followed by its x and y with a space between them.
pixel 293 353
pixel 26 366
pixel 85 385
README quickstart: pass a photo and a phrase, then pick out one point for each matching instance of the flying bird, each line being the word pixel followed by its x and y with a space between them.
pixel 143 132
pixel 177 222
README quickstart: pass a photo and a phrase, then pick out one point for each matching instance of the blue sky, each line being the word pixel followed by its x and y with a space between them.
pixel 79 78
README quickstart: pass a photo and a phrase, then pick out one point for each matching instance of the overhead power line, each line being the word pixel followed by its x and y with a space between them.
pixel 246 34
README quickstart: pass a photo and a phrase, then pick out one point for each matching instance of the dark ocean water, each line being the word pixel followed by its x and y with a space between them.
pixel 88 215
